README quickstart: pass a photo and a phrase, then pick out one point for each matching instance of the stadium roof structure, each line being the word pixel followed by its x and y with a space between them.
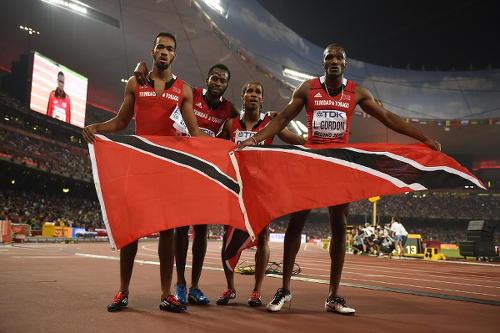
pixel 460 109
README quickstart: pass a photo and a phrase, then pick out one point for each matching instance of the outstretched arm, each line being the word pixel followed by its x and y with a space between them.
pixel 291 138
pixel 120 121
pixel 365 99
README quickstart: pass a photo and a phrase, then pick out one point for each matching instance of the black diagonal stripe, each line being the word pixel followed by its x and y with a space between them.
pixel 403 171
pixel 179 157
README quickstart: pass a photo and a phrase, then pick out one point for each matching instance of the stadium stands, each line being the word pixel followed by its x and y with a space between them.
pixel 45 152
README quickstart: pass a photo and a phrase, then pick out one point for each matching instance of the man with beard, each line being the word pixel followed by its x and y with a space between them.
pixel 330 101
pixel 211 110
pixel 158 106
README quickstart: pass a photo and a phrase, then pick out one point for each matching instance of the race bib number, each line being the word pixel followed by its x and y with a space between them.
pixel 240 136
pixel 59 113
pixel 207 131
pixel 179 123
pixel 329 124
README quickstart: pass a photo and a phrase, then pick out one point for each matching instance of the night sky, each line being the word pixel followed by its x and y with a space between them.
pixel 418 35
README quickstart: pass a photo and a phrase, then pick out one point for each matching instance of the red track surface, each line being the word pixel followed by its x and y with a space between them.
pixel 59 287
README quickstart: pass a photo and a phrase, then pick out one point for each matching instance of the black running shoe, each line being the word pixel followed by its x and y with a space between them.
pixel 281 297
pixel 255 299
pixel 120 302
pixel 171 304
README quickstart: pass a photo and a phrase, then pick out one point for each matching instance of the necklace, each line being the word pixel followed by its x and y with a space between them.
pixel 341 91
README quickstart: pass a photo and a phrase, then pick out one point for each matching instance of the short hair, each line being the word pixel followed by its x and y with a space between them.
pixel 166 34
pixel 220 66
pixel 245 86
pixel 335 45
pixel 60 73
pixel 395 218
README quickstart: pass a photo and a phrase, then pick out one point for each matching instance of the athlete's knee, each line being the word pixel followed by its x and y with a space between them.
pixel 167 233
pixel 181 231
pixel 297 221
pixel 201 228
pixel 200 233
pixel 263 236
pixel 130 247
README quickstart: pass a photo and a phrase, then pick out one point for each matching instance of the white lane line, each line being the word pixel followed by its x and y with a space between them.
pixel 144 262
pixel 42 257
pixel 425 287
pixel 351 270
pixel 413 272
pixel 405 278
pixel 320 281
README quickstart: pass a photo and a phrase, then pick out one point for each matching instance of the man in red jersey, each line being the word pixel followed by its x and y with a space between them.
pixel 59 105
pixel 211 110
pixel 237 129
pixel 161 107
pixel 330 101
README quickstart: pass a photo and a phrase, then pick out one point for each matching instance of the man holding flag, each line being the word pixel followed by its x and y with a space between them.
pixel 330 101
pixel 163 106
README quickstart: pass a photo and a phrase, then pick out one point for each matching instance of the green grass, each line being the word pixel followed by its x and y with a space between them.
pixel 450 253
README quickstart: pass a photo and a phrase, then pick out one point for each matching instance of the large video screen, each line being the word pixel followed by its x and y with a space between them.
pixel 57 91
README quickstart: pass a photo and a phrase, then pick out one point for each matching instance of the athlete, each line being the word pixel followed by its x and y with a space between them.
pixel 211 110
pixel 59 105
pixel 159 107
pixel 329 101
pixel 238 129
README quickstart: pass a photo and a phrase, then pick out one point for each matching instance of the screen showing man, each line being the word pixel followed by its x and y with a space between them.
pixel 58 91
pixel 59 105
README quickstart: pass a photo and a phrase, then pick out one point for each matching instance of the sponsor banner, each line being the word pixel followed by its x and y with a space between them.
pixel 280 238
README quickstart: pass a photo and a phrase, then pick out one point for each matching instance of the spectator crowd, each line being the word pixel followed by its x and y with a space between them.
pixel 34 209
pixel 54 151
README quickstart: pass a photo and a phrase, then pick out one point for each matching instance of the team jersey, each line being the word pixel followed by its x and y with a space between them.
pixel 210 121
pixel 158 115
pixel 59 107
pixel 240 133
pixel 329 117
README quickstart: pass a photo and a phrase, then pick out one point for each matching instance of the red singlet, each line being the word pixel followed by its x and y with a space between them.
pixel 329 117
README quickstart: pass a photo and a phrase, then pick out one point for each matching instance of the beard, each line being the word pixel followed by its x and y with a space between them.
pixel 216 94
pixel 161 66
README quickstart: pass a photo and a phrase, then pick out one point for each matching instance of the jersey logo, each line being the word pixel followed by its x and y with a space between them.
pixel 317 95
pixel 177 90
pixel 199 104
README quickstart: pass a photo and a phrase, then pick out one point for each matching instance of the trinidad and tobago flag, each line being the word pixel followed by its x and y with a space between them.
pixel 148 184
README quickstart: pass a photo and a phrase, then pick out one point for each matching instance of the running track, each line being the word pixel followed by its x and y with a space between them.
pixel 65 287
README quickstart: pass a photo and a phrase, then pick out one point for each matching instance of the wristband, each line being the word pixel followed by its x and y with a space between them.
pixel 254 140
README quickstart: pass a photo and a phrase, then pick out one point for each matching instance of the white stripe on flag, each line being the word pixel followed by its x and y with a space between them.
pixel 240 196
pixel 376 173
pixel 99 194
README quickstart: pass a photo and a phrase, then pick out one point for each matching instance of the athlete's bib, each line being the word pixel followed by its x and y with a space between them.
pixel 329 124
pixel 240 136
pixel 179 123
pixel 207 131
pixel 59 113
